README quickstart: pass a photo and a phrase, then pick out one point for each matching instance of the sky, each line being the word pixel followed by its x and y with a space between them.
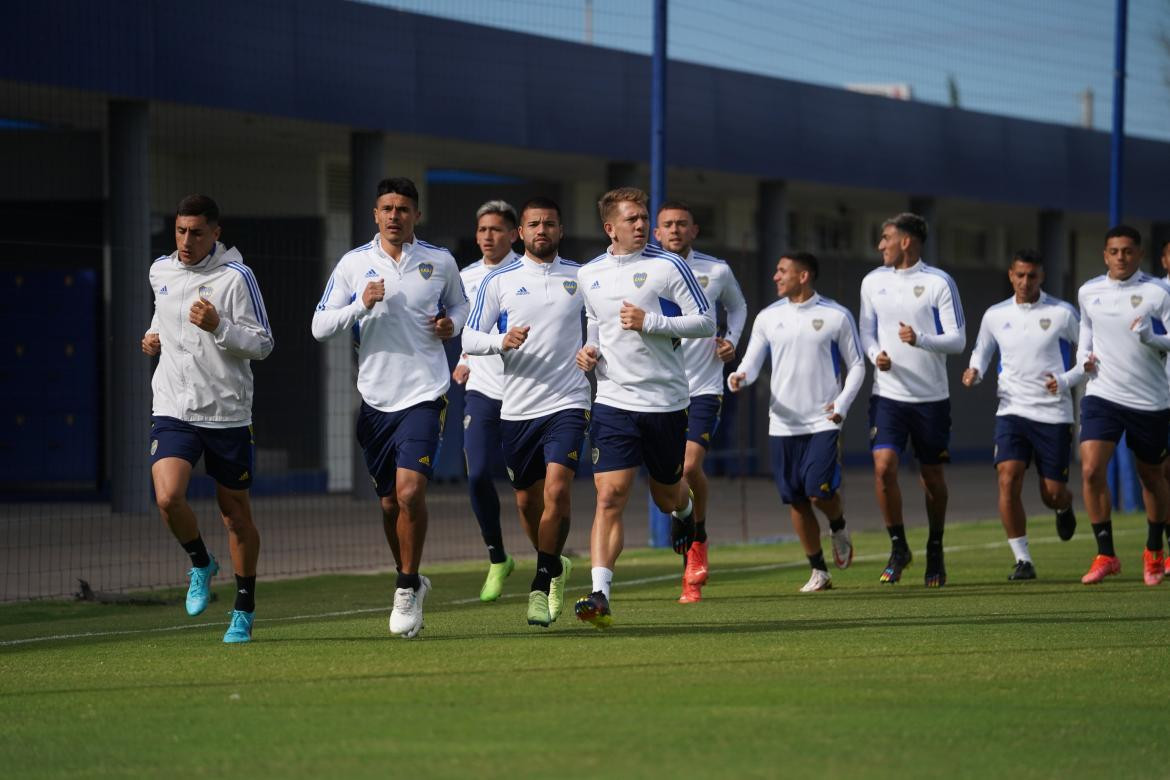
pixel 1031 59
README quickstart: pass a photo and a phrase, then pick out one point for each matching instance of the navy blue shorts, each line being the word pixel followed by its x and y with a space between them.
pixel 406 439
pixel 1049 444
pixel 227 451
pixel 926 425
pixel 1145 432
pixel 530 445
pixel 806 466
pixel 703 418
pixel 621 439
pixel 481 434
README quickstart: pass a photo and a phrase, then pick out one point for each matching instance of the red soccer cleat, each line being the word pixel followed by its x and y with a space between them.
pixel 1103 566
pixel 1155 566
pixel 696 571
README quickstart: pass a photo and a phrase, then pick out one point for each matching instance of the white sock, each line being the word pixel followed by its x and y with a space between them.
pixel 602 577
pixel 1020 548
pixel 686 511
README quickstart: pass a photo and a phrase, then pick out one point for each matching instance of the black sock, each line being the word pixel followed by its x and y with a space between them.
pixel 934 538
pixel 837 525
pixel 496 553
pixel 1167 531
pixel 198 552
pixel 1104 534
pixel 818 561
pixel 701 531
pixel 1154 536
pixel 1064 512
pixel 407 581
pixel 547 567
pixel 246 593
pixel 897 536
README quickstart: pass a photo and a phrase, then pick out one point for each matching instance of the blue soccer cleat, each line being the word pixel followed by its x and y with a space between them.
pixel 199 592
pixel 240 629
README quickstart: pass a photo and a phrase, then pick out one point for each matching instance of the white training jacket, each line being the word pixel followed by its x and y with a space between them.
pixel 816 360
pixel 206 378
pixel 487 371
pixel 541 377
pixel 704 368
pixel 401 362
pixel 926 299
pixel 1131 361
pixel 643 371
pixel 1035 340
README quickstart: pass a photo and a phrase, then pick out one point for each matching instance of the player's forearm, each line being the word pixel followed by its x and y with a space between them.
pixel 243 340
pixel 687 326
pixel 478 343
pixel 854 378
pixel 329 322
pixel 458 309
pixel 950 343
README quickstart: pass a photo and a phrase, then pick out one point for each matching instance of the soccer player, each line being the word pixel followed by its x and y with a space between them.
pixel 1165 261
pixel 401 297
pixel 1034 333
pixel 209 324
pixel 1121 354
pixel 817 370
pixel 640 302
pixel 703 359
pixel 532 307
pixel 495 232
pixel 911 319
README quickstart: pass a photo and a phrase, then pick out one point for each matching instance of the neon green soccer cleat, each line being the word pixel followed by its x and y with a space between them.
pixel 556 591
pixel 538 609
pixel 493 586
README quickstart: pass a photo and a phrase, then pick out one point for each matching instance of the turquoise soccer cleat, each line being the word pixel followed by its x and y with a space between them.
pixel 240 629
pixel 199 591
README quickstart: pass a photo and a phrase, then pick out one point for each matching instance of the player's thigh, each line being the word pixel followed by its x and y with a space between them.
pixel 664 445
pixel 889 425
pixel 1145 435
pixel 820 465
pixel 930 432
pixel 229 454
pixel 703 416
pixel 615 442
pixel 1052 446
pixel 786 454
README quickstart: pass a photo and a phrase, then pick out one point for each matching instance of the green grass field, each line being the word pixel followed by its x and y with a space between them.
pixel 981 678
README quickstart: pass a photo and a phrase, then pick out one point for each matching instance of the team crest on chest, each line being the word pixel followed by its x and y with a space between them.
pixel 639 278
pixel 205 290
pixel 703 280
pixel 1135 300
pixel 1045 323
pixel 570 286
pixel 818 324
pixel 918 290
pixel 425 270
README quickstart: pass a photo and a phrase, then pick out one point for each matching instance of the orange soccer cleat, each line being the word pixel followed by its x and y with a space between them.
pixel 1155 566
pixel 696 570
pixel 1103 566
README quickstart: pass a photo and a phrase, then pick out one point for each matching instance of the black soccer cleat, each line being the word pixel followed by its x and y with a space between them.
pixel 936 570
pixel 1024 571
pixel 899 560
pixel 1066 524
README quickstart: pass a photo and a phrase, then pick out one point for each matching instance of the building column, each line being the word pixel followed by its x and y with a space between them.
pixel 130 305
pixel 927 208
pixel 772 231
pixel 367 167
pixel 1052 229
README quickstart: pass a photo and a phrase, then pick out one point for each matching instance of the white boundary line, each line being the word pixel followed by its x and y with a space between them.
pixel 461 602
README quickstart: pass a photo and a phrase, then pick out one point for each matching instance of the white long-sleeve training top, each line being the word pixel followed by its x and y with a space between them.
pixel 541 377
pixel 816 359
pixel 926 299
pixel 206 378
pixel 1035 340
pixel 1131 363
pixel 487 371
pixel 643 371
pixel 704 368
pixel 401 361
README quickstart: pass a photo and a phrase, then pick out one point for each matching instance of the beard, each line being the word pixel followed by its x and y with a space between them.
pixel 543 251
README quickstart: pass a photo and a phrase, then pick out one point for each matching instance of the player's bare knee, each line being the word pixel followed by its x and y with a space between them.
pixel 238 523
pixel 170 502
pixel 411 496
pixel 389 507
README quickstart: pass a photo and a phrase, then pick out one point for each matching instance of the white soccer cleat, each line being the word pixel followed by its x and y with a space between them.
pixel 820 580
pixel 842 548
pixel 406 619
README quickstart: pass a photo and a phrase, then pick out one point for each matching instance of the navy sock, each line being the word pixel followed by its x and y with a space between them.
pixel 198 552
pixel 547 567
pixel 818 561
pixel 1154 536
pixel 485 503
pixel 245 593
pixel 837 525
pixel 407 581
pixel 934 538
pixel 897 536
pixel 701 531
pixel 1104 534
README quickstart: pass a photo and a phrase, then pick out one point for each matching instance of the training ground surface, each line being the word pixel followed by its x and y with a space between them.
pixel 981 678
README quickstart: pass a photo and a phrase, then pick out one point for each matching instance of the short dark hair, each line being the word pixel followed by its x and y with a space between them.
pixel 199 206
pixel 676 205
pixel 910 224
pixel 398 185
pixel 1027 256
pixel 1124 231
pixel 807 260
pixel 541 202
